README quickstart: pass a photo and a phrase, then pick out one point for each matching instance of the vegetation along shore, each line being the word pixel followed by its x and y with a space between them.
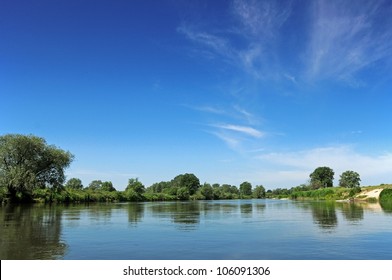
pixel 33 171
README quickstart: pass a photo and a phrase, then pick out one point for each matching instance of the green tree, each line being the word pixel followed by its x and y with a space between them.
pixel 189 181
pixel 350 179
pixel 28 162
pixel 245 189
pixel 74 183
pixel 321 177
pixel 108 186
pixel 95 185
pixel 259 192
pixel 207 191
pixel 135 185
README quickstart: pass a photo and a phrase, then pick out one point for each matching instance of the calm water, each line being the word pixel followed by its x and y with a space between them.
pixel 246 229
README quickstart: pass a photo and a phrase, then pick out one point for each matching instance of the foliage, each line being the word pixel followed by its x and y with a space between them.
pixel 245 189
pixel 349 179
pixel 95 185
pixel 354 191
pixel 321 177
pixel 207 191
pixel 74 183
pixel 386 199
pixel 259 192
pixel 135 190
pixel 188 181
pixel 108 186
pixel 28 163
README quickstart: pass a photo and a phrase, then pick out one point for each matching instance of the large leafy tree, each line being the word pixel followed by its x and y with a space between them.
pixel 108 186
pixel 134 190
pixel 321 177
pixel 246 189
pixel 259 192
pixel 349 179
pixel 187 181
pixel 28 162
pixel 74 183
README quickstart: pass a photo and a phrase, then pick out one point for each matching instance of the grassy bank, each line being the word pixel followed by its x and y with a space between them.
pixel 334 193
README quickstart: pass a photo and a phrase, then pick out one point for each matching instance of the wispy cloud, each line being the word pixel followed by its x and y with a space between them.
pixel 210 109
pixel 345 39
pixel 250 131
pixel 257 29
pixel 261 19
pixel 339 158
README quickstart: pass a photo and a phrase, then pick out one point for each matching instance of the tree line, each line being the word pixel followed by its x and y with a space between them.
pixel 30 169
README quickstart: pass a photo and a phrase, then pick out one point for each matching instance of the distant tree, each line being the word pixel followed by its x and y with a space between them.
pixel 95 185
pixel 321 177
pixel 246 189
pixel 207 191
pixel 135 185
pixel 74 183
pixel 350 179
pixel 259 192
pixel 108 186
pixel 134 190
pixel 183 193
pixel 158 187
pixel 188 181
pixel 28 162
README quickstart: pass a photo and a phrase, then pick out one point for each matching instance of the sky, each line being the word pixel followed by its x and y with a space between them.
pixel 231 91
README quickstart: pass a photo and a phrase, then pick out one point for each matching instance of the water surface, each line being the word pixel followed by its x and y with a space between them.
pixel 236 229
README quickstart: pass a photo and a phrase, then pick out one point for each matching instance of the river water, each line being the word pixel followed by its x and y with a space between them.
pixel 235 229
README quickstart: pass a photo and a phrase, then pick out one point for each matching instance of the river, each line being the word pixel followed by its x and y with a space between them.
pixel 226 229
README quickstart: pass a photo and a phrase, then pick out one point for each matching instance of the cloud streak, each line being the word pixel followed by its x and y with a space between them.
pixel 345 39
pixel 339 158
pixel 249 131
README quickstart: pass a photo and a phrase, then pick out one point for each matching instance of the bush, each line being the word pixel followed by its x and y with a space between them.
pixel 386 199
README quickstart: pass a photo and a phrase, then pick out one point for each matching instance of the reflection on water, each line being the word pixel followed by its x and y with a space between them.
pixel 324 214
pixel 190 230
pixel 31 233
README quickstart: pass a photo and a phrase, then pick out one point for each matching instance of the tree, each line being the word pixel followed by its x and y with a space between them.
pixel 108 186
pixel 246 189
pixel 74 183
pixel 189 181
pixel 135 189
pixel 28 162
pixel 135 185
pixel 207 191
pixel 95 185
pixel 321 177
pixel 349 179
pixel 259 192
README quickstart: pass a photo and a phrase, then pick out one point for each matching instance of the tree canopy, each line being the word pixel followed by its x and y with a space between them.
pixel 28 162
pixel 349 179
pixel 246 189
pixel 74 183
pixel 321 177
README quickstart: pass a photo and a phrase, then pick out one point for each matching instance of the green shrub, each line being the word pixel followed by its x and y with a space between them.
pixel 386 199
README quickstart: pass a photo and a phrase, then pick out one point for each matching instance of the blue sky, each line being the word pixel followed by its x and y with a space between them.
pixel 232 91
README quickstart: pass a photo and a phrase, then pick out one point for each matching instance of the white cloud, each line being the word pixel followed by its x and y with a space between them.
pixel 259 23
pixel 345 39
pixel 374 169
pixel 261 18
pixel 250 131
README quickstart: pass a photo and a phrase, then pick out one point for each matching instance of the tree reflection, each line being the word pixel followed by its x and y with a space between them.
pixel 246 210
pixel 324 214
pixel 31 232
pixel 135 212
pixel 184 214
pixel 386 206
pixel 352 211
